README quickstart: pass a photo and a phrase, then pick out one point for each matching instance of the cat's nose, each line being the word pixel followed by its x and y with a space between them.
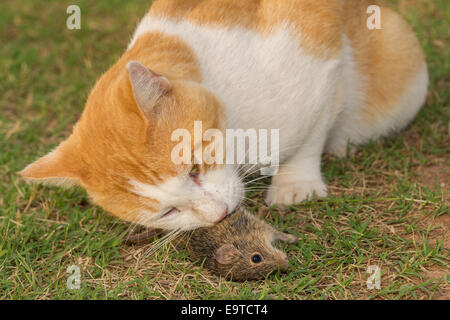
pixel 213 210
pixel 223 214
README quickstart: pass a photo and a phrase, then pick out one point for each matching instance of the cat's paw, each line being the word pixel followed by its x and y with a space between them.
pixel 286 191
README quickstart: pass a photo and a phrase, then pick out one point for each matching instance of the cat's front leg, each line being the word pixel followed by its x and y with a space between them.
pixel 299 178
pixel 294 184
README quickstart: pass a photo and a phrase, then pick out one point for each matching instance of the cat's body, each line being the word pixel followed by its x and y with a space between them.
pixel 310 68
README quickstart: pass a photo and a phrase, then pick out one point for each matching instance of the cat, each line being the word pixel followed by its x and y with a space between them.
pixel 310 68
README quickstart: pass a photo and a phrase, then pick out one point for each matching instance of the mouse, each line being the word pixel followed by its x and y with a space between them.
pixel 240 247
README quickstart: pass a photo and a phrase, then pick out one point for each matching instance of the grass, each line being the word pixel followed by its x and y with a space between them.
pixel 388 205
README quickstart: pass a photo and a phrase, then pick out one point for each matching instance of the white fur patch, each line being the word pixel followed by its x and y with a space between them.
pixel 265 82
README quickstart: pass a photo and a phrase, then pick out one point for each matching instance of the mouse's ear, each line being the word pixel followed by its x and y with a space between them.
pixel 226 254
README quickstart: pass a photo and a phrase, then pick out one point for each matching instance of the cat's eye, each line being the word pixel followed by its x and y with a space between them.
pixel 256 258
pixel 195 171
pixel 170 211
pixel 194 174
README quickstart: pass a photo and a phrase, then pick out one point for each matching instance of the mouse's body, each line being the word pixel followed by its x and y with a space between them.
pixel 239 247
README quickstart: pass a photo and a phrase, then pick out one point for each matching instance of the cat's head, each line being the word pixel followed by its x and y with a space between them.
pixel 120 151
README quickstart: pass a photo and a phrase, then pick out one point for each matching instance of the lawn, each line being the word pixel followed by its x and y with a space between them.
pixel 388 204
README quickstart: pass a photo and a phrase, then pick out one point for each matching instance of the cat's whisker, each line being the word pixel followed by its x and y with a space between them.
pixel 245 198
pixel 158 244
pixel 113 231
pixel 256 179
pixel 254 189
pixel 246 174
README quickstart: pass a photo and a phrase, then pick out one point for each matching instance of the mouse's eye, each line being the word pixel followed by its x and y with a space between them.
pixel 256 258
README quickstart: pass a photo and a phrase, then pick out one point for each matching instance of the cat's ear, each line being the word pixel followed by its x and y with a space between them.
pixel 147 86
pixel 55 168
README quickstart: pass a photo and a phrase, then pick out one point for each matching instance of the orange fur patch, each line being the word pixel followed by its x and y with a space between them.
pixel 381 54
pixel 318 22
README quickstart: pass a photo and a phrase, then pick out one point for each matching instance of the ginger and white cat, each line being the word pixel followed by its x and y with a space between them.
pixel 311 68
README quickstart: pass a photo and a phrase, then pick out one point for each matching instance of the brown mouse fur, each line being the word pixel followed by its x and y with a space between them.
pixel 228 247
